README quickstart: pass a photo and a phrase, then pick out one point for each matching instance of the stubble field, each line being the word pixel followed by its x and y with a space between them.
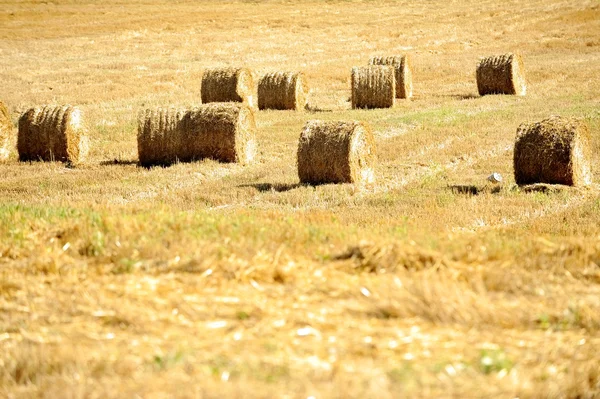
pixel 210 280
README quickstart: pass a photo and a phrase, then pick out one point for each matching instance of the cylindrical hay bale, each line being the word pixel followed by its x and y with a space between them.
pixel 160 134
pixel 6 128
pixel 373 86
pixel 221 131
pixel 403 68
pixel 336 152
pixel 282 90
pixel 228 85
pixel 555 151
pixel 501 74
pixel 52 133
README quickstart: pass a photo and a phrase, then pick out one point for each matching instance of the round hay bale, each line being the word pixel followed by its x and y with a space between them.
pixel 336 152
pixel 282 90
pixel 221 131
pixel 556 151
pixel 403 72
pixel 52 133
pixel 373 86
pixel 160 133
pixel 228 85
pixel 501 74
pixel 6 131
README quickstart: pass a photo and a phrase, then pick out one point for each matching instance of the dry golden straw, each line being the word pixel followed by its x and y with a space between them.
pixel 403 69
pixel 220 131
pixel 501 74
pixel 336 152
pixel 6 128
pixel 373 87
pixel 52 133
pixel 556 151
pixel 228 85
pixel 282 90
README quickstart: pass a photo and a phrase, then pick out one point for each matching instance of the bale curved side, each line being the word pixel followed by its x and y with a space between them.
pixel 403 72
pixel 6 132
pixel 501 74
pixel 228 85
pixel 373 87
pixel 52 133
pixel 159 138
pixel 282 90
pixel 555 150
pixel 336 152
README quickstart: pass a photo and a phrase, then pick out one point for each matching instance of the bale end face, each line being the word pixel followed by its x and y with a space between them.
pixel 336 152
pixel 501 74
pixel 555 150
pixel 373 87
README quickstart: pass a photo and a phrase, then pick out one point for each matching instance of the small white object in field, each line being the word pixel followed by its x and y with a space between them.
pixel 495 178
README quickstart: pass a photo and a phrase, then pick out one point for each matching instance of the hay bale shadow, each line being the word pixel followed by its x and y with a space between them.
pixel 276 187
pixel 312 108
pixel 469 96
pixel 122 162
pixel 544 188
pixel 474 190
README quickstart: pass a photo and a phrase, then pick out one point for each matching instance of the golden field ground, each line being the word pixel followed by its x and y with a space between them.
pixel 215 280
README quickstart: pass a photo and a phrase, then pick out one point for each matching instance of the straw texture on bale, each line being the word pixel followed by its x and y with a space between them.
pixel 52 133
pixel 336 152
pixel 501 74
pixel 403 73
pixel 556 151
pixel 6 129
pixel 373 86
pixel 282 90
pixel 220 131
pixel 228 85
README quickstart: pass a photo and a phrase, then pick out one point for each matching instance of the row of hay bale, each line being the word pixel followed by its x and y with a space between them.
pixel 274 90
pixel 377 85
pixel 388 78
pixel 555 150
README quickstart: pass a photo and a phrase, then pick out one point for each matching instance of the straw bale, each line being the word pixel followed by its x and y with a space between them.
pixel 282 90
pixel 373 86
pixel 403 72
pixel 501 74
pixel 556 151
pixel 6 131
pixel 336 152
pixel 52 133
pixel 220 131
pixel 228 85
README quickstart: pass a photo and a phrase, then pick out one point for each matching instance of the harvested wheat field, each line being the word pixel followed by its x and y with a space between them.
pixel 211 279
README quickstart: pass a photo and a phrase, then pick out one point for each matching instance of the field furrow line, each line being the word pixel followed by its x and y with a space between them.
pixel 391 183
pixel 574 201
